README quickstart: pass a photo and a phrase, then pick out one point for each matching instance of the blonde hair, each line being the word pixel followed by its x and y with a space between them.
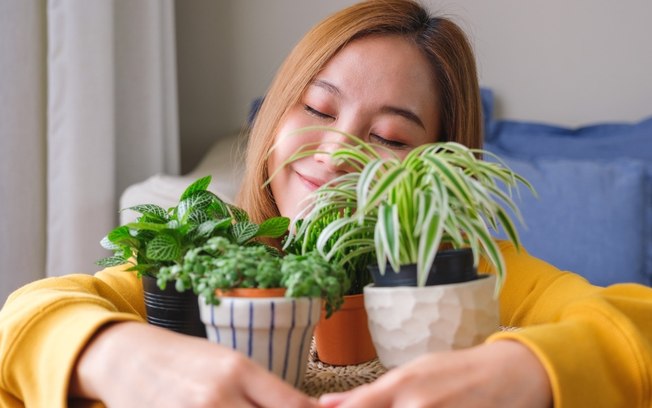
pixel 441 40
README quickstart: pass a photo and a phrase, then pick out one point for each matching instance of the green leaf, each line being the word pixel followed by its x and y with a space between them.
pixel 244 231
pixel 151 211
pixel 206 228
pixel 108 244
pixel 237 213
pixel 199 185
pixel 490 248
pixel 367 177
pixel 198 200
pixel 198 217
pixel 384 186
pixel 111 261
pixel 273 227
pixel 452 178
pixel 122 236
pixel 430 237
pixel 509 227
pixel 147 226
pixel 388 228
pixel 143 268
pixel 330 231
pixel 164 247
pixel 381 253
pixel 218 209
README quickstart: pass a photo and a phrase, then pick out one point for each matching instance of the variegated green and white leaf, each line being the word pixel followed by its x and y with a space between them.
pixel 244 231
pixel 164 247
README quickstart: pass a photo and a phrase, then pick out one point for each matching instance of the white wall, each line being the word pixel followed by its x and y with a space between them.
pixel 570 62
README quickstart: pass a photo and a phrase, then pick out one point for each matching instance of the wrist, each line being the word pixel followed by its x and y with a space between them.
pixel 521 362
pixel 94 361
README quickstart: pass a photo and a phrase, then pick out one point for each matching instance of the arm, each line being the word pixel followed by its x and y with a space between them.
pixel 595 343
pixel 578 345
pixel 85 335
pixel 44 325
pixel 173 370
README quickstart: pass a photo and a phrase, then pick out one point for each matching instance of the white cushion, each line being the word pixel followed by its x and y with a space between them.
pixel 224 161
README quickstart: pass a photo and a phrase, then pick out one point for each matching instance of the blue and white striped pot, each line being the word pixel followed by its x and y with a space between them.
pixel 274 332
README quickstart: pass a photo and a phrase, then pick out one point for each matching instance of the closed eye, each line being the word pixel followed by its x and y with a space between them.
pixel 386 142
pixel 314 112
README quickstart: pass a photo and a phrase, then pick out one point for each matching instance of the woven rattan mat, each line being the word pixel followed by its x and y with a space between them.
pixel 322 378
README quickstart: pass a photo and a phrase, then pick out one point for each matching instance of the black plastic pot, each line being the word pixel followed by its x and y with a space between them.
pixel 450 266
pixel 172 310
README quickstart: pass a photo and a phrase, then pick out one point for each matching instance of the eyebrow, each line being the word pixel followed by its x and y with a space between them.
pixel 387 109
pixel 327 86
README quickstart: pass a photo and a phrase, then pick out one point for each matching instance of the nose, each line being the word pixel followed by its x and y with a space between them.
pixel 331 141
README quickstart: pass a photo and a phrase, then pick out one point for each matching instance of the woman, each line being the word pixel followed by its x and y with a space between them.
pixel 386 71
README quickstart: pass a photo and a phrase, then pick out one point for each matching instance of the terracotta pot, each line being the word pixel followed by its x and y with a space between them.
pixel 271 329
pixel 343 338
pixel 252 292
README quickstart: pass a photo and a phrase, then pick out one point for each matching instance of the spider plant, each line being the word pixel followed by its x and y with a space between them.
pixel 405 210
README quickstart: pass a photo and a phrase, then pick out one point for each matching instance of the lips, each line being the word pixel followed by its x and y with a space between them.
pixel 312 183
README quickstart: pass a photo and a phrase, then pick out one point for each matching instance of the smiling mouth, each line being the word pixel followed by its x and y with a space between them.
pixel 311 184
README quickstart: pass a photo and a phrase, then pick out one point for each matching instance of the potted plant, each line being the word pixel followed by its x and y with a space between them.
pixel 343 338
pixel 431 216
pixel 161 238
pixel 254 300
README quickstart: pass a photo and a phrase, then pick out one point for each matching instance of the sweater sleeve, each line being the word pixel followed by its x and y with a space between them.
pixel 595 343
pixel 45 325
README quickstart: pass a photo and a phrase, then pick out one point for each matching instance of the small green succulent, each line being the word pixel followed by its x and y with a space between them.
pixel 222 265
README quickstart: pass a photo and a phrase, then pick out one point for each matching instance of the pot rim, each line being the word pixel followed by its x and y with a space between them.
pixel 482 280
pixel 251 293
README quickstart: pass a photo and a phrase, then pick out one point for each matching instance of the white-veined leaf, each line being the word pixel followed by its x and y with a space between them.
pixel 198 185
pixel 244 231
pixel 163 247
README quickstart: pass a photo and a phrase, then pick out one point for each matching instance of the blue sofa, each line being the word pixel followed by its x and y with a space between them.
pixel 593 213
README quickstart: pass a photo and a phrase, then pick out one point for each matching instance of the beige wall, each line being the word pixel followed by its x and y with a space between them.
pixel 569 62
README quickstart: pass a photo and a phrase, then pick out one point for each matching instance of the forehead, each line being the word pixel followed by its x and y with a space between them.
pixel 377 71
pixel 389 66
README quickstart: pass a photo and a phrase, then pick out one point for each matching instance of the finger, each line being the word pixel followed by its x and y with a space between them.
pixel 371 395
pixel 332 400
pixel 268 391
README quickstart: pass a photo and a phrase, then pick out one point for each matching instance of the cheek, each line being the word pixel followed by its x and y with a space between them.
pixel 290 139
pixel 286 189
pixel 288 192
pixel 285 145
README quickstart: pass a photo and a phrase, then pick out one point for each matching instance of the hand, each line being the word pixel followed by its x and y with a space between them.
pixel 500 374
pixel 137 365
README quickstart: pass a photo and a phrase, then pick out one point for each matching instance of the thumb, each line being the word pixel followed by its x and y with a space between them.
pixel 332 400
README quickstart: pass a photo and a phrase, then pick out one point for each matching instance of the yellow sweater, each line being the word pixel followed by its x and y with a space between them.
pixel 595 343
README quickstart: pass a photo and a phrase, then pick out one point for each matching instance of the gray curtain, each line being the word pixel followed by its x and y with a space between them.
pixel 88 106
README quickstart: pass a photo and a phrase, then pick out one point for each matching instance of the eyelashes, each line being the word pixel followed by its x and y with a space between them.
pixel 374 138
pixel 387 142
pixel 314 112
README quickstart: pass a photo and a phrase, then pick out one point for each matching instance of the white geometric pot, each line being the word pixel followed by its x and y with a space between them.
pixel 274 332
pixel 406 321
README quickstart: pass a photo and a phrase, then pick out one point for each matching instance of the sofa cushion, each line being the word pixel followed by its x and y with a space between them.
pixel 595 187
pixel 531 140
pixel 587 216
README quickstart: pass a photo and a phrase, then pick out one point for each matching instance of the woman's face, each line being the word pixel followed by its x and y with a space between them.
pixel 379 88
